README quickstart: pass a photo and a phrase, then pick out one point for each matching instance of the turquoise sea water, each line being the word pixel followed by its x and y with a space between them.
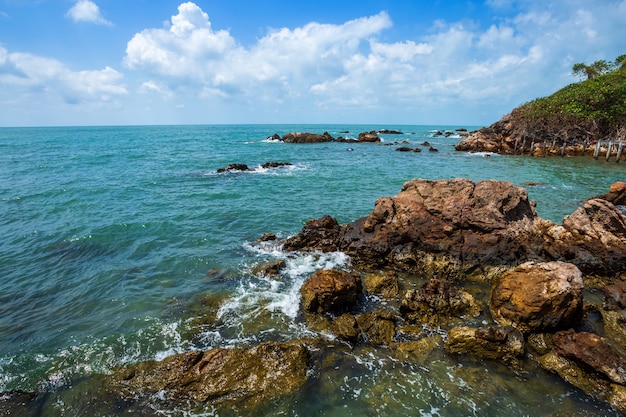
pixel 112 236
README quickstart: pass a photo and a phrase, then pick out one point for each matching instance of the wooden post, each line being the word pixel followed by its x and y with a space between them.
pixel 563 148
pixel 596 153
pixel 523 146
pixel 619 151
pixel 544 148
pixel 608 150
pixel 585 144
pixel 532 148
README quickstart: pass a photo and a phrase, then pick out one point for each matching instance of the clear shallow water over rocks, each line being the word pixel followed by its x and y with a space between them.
pixel 123 244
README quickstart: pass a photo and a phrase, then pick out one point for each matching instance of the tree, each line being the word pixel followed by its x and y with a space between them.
pixel 620 62
pixel 599 67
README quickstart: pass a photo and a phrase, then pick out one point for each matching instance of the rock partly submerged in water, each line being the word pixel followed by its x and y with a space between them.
pixel 483 224
pixel 241 379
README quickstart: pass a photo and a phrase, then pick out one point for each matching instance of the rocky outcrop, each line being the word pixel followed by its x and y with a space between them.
pixel 616 194
pixel 488 223
pixel 537 297
pixel 240 379
pixel 371 137
pixel 436 302
pixel 586 361
pixel 244 167
pixel 489 342
pixel 330 291
pixel 306 137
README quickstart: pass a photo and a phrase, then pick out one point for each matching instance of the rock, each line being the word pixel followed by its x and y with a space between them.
pixel 480 225
pixel 615 296
pixel 390 132
pixel 323 234
pixel 592 351
pixel 330 291
pixel 591 383
pixel 347 328
pixel 536 297
pixel 384 285
pixel 490 342
pixel 243 378
pixel 378 325
pixel 270 268
pixel 616 194
pixel 299 137
pixel 369 137
pixel 436 301
pixel 275 136
pixel 269 165
pixel 267 237
pixel 404 149
pixel 426 143
pixel 234 167
pixel 431 149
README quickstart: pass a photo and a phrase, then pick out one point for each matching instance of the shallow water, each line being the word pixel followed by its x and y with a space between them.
pixel 114 238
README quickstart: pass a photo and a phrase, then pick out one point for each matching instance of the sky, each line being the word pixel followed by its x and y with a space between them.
pixel 393 62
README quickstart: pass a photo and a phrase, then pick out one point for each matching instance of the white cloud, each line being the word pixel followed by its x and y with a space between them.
pixel 27 74
pixel 87 11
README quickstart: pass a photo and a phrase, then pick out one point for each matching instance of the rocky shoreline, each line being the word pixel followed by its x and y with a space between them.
pixel 472 260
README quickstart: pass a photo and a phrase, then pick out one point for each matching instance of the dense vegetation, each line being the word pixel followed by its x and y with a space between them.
pixel 591 109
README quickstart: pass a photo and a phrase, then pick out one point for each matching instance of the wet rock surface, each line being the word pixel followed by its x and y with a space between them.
pixel 244 379
pixel 329 291
pixel 536 297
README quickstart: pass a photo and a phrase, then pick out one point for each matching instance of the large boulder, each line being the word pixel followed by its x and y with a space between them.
pixel 331 291
pixel 241 378
pixel 369 137
pixel 478 225
pixel 536 297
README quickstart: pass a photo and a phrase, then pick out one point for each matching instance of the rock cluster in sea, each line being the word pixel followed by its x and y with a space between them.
pixel 470 259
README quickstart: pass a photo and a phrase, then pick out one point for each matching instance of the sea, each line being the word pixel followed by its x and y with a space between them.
pixel 116 242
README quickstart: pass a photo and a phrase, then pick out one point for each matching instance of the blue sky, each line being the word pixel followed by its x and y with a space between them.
pixel 112 62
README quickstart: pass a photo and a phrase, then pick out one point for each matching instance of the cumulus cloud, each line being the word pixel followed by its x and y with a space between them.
pixel 350 65
pixel 23 73
pixel 87 11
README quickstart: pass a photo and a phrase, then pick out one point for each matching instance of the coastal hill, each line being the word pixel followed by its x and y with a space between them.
pixel 566 122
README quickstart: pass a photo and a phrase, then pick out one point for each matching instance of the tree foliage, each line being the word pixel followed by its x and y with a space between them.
pixel 592 109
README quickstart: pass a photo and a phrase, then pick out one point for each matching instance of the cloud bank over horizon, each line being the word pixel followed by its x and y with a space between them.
pixel 189 70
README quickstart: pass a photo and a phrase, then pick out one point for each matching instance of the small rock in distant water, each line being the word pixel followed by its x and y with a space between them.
pixel 390 132
pixel 404 149
pixel 234 167
pixel 426 143
pixel 267 237
pixel 431 149
pixel 275 164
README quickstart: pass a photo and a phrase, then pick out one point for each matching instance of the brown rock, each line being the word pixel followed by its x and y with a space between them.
pixel 323 234
pixel 346 328
pixel 490 342
pixel 270 268
pixel 592 351
pixel 616 194
pixel 537 297
pixel 300 137
pixel 436 301
pixel 330 291
pixel 379 326
pixel 369 137
pixel 384 285
pixel 240 378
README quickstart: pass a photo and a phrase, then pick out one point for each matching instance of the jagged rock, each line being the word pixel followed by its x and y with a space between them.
pixel 378 325
pixel 390 132
pixel 322 234
pixel 490 342
pixel 269 268
pixel 330 291
pixel 243 378
pixel 437 301
pixel 483 224
pixel 269 165
pixel 592 351
pixel 347 328
pixel 616 194
pixel 234 167
pixel 536 297
pixel 384 285
pixel 369 137
pixel 615 296
pixel 305 137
